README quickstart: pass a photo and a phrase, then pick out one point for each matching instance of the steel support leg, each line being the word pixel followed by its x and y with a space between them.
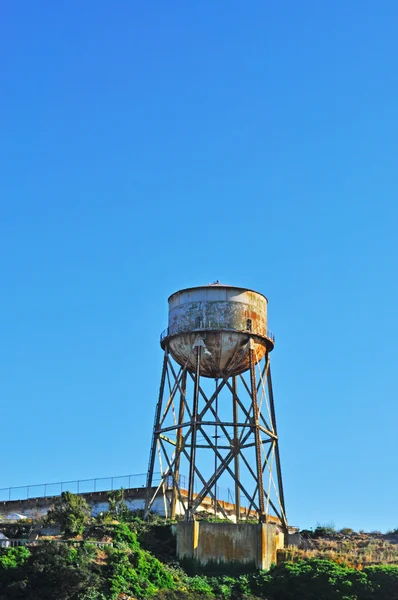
pixel 155 435
pixel 194 427
pixel 277 456
pixel 179 445
pixel 215 453
pixel 257 435
pixel 236 449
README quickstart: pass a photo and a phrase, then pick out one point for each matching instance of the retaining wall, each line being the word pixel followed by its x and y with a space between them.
pixel 243 543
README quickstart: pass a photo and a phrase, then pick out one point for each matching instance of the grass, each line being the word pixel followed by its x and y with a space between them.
pixel 355 549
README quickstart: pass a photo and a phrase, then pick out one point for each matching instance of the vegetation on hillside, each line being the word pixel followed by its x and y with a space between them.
pixel 71 512
pixel 112 557
pixel 355 549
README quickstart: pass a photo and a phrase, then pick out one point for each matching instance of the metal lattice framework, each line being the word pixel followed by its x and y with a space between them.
pixel 218 430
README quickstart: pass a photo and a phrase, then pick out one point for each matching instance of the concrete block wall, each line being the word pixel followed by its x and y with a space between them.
pixel 34 508
pixel 243 543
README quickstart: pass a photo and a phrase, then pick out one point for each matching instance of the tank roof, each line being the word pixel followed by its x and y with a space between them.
pixel 217 284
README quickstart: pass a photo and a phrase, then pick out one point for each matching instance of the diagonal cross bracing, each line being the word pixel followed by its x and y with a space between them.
pixel 211 436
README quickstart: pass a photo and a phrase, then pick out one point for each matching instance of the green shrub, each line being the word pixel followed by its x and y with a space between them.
pixel 71 512
pixel 225 587
pixel 134 571
pixel 51 571
pixel 382 582
pixel 202 585
pixel 117 506
pixel 346 531
pixel 13 557
pixel 181 595
pixel 123 533
pixel 324 530
pixel 310 580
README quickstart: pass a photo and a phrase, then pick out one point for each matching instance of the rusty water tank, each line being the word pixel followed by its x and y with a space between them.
pixel 225 318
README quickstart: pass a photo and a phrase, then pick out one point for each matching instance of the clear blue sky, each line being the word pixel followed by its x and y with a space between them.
pixel 149 146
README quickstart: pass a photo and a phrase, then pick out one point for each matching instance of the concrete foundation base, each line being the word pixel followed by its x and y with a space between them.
pixel 224 543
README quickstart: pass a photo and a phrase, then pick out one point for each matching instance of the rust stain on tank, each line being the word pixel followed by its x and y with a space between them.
pixel 226 318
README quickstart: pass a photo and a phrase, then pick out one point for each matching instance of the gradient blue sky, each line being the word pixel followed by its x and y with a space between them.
pixel 149 146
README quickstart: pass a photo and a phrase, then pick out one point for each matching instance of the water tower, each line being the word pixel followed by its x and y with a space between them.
pixel 215 433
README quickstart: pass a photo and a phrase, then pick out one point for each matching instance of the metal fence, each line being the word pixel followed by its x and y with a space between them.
pixel 13 543
pixel 99 484
pixel 78 486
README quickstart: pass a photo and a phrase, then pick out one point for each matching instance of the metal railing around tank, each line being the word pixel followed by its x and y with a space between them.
pixel 176 328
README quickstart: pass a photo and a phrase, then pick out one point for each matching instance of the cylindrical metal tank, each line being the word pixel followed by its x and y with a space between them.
pixel 225 318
